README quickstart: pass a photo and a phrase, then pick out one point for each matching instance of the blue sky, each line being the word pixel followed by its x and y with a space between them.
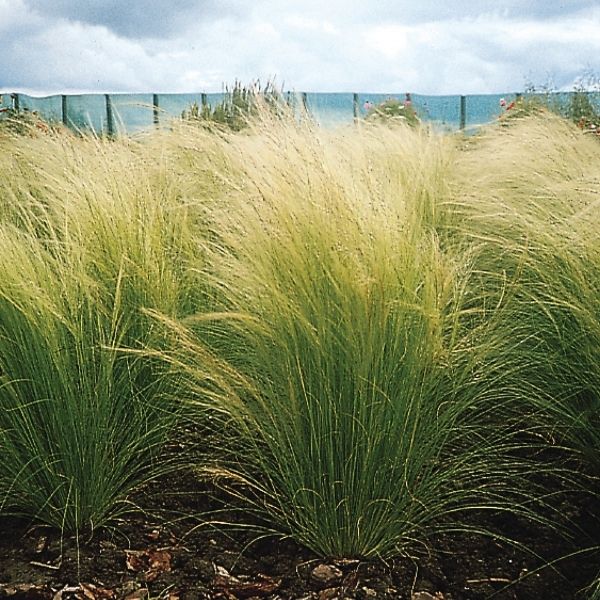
pixel 428 47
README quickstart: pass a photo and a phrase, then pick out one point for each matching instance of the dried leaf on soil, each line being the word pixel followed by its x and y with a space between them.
pixel 25 592
pixel 151 562
pixel 246 589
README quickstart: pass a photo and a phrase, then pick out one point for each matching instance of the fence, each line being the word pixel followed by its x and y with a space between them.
pixel 130 113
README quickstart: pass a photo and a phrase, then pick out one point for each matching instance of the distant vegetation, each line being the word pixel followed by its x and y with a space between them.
pixel 241 104
pixel 24 122
pixel 393 110
pixel 576 106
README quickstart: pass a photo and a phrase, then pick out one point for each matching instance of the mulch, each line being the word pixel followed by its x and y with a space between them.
pixel 171 555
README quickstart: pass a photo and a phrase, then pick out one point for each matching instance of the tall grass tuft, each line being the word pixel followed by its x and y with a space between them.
pixel 364 421
pixel 537 213
pixel 94 234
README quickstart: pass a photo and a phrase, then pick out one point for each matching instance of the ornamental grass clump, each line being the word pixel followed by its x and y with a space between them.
pixel 537 214
pixel 94 233
pixel 358 418
pixel 78 429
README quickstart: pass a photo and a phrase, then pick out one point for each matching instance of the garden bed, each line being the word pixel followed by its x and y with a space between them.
pixel 384 343
pixel 165 554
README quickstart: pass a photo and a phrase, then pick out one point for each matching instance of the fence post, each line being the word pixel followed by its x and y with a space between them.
pixel 16 102
pixel 110 124
pixel 203 100
pixel 355 107
pixel 463 112
pixel 65 114
pixel 155 119
pixel 305 101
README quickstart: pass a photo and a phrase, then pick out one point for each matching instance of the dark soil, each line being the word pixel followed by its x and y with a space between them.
pixel 161 557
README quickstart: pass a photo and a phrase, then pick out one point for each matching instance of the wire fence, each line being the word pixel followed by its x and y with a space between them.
pixel 114 114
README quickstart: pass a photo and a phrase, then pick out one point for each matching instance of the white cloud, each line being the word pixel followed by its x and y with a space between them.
pixel 388 46
pixel 303 23
pixel 389 42
pixel 138 19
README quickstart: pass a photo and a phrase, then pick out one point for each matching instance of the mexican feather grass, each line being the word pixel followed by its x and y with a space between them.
pixel 92 233
pixel 371 394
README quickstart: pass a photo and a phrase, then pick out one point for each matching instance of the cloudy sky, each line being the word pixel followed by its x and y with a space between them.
pixel 423 46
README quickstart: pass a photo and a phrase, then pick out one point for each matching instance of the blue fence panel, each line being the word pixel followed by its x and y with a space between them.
pixel 442 111
pixel 331 109
pixel 87 113
pixel 482 109
pixel 367 100
pixel 6 101
pixel 48 107
pixel 173 105
pixel 215 98
pixel 132 112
